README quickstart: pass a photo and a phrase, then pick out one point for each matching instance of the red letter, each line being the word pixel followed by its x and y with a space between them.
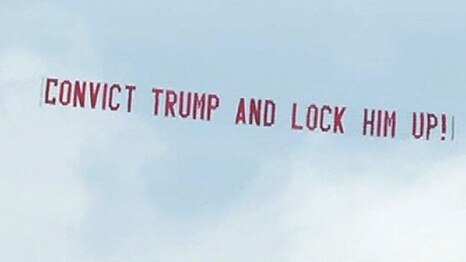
pixel 187 111
pixel 421 129
pixel 368 122
pixel 94 91
pixel 338 120
pixel 170 101
pixel 199 103
pixel 311 108
pixel 79 93
pixel 432 122
pixel 255 111
pixel 390 121
pixel 47 91
pixel 65 100
pixel 379 123
pixel 214 102
pixel 110 102
pixel 240 114
pixel 104 97
pixel 131 89
pixel 294 125
pixel 322 111
pixel 271 121
pixel 157 92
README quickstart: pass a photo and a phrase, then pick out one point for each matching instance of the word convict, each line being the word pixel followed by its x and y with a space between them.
pixel 89 94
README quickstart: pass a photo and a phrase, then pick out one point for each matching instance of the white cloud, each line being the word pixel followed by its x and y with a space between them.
pixel 366 218
pixel 45 197
pixel 43 201
pixel 359 210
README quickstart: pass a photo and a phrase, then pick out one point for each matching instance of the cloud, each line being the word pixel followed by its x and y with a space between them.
pixel 72 185
pixel 55 199
pixel 43 201
pixel 47 197
pixel 325 216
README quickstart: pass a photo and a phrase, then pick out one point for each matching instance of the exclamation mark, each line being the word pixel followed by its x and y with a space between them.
pixel 444 127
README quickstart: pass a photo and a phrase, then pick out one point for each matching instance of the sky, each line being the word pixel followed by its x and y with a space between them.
pixel 83 185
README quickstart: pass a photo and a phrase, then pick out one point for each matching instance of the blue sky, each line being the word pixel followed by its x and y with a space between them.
pixel 80 185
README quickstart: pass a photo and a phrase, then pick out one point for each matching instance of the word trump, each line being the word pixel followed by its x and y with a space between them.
pixel 185 104
pixel 89 94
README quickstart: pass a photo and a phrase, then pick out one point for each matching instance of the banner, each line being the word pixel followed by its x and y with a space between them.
pixel 259 112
